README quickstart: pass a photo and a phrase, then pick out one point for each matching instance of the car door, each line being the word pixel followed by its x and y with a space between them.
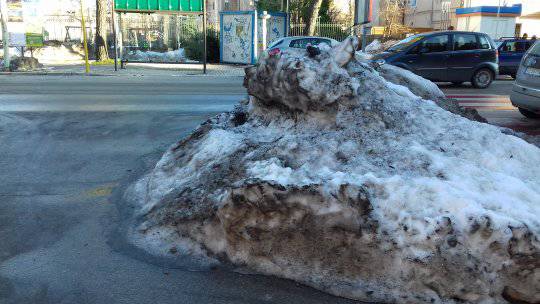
pixel 465 56
pixel 510 54
pixel 428 57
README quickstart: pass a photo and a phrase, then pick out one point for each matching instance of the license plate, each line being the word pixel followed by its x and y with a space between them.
pixel 533 71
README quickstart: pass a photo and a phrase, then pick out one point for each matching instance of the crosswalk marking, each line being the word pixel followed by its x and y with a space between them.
pixel 484 102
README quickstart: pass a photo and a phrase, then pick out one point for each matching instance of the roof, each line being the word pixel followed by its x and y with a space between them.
pixel 448 32
pixel 504 11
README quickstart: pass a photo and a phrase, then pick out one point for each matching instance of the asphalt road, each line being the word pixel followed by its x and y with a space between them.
pixel 494 104
pixel 68 145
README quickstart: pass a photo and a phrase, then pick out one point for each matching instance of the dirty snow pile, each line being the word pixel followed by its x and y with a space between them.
pixel 63 53
pixel 151 56
pixel 376 46
pixel 333 176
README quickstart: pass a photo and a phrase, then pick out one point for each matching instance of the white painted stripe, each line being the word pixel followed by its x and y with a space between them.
pixel 473 104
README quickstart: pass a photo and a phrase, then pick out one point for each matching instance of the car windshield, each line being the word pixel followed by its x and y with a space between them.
pixel 276 43
pixel 405 43
pixel 535 49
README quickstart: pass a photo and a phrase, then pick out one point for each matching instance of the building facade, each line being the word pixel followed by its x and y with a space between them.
pixel 428 15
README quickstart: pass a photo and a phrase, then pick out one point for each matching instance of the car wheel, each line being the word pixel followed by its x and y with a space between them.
pixel 529 114
pixel 457 83
pixel 482 78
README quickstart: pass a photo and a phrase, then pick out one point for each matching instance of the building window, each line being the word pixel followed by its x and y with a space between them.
pixel 412 3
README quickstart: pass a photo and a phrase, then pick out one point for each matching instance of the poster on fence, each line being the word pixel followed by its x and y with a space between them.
pixel 15 11
pixel 241 35
pixel 276 27
pixel 25 24
pixel 238 37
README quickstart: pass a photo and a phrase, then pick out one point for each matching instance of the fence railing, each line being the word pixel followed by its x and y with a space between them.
pixel 331 30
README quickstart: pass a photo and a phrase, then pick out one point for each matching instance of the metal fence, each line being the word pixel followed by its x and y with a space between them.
pixel 66 28
pixel 177 37
pixel 331 30
pixel 170 32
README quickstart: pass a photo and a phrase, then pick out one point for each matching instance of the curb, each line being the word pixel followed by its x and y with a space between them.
pixel 53 74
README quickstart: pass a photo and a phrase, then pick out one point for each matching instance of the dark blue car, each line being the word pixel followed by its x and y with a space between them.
pixel 511 51
pixel 452 56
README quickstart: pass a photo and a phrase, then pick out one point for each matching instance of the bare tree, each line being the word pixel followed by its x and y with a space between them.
pixel 392 15
pixel 101 30
pixel 311 21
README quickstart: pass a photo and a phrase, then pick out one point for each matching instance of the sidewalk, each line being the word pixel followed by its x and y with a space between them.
pixel 138 69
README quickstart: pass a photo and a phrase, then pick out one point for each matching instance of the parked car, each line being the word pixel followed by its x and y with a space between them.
pixel 452 56
pixel 511 51
pixel 526 91
pixel 298 42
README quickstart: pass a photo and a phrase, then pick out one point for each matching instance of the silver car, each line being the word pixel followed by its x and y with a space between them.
pixel 298 42
pixel 526 91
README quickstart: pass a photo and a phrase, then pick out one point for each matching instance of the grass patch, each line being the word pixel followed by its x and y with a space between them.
pixel 104 62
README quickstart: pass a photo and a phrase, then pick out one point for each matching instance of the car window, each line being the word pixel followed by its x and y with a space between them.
pixel 464 42
pixel 535 49
pixel 434 44
pixel 303 42
pixel 405 43
pixel 516 46
pixel 484 42
pixel 325 41
pixel 276 43
pixel 521 46
pixel 508 46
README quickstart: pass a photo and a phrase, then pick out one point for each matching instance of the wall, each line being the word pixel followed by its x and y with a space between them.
pixel 433 14
pixel 485 24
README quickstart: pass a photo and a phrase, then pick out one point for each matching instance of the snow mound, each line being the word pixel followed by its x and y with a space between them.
pixel 63 53
pixel 150 56
pixel 334 175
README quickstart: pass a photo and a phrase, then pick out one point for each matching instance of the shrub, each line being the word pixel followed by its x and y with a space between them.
pixel 192 43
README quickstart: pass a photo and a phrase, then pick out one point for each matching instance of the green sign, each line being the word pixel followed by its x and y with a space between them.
pixel 34 40
pixel 189 6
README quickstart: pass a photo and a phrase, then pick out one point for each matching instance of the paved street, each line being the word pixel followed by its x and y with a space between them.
pixel 63 154
pixel 493 104
pixel 68 146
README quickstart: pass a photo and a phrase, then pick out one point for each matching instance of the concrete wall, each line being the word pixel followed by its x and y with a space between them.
pixel 496 28
pixel 433 14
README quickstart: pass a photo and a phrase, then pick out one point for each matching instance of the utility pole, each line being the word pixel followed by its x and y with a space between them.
pixel 205 38
pixel 113 22
pixel 5 32
pixel 264 18
pixel 85 40
pixel 497 20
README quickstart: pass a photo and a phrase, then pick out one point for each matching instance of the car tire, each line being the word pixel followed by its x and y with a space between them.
pixel 482 78
pixel 457 83
pixel 529 114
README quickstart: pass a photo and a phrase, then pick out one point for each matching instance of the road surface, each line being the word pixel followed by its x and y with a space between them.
pixel 493 104
pixel 66 144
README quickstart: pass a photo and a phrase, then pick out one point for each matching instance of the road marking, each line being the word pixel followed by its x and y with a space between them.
pixel 484 102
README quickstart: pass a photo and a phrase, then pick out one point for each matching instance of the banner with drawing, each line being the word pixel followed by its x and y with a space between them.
pixel 25 24
pixel 241 35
